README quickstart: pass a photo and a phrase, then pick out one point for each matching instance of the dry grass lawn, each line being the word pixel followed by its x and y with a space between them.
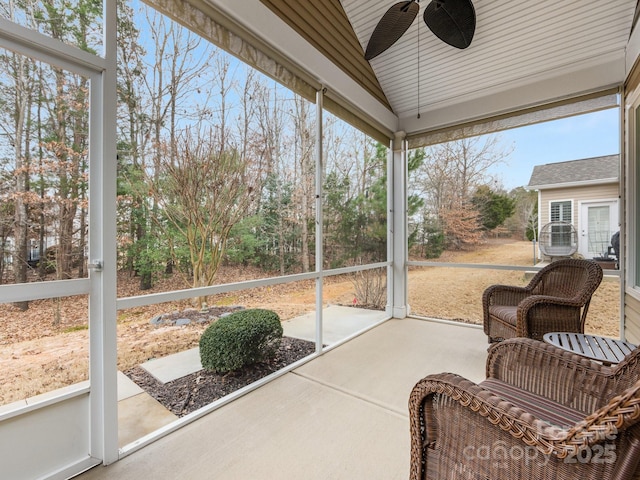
pixel 47 347
pixel 455 293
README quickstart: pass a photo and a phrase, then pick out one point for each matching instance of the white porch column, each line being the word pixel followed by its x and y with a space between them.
pixel 102 248
pixel 398 226
pixel 319 216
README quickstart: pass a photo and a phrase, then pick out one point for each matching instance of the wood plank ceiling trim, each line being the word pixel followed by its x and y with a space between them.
pixel 324 24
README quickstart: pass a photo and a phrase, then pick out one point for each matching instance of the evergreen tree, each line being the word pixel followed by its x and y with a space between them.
pixel 494 208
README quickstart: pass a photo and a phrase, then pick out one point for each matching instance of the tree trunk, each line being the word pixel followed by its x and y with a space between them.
pixel 21 223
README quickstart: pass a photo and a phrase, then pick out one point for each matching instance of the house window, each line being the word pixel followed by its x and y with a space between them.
pixel 561 211
pixel 561 234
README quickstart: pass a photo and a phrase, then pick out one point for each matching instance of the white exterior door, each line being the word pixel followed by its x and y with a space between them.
pixel 598 222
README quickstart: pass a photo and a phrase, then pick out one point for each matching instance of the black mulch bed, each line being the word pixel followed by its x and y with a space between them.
pixel 184 395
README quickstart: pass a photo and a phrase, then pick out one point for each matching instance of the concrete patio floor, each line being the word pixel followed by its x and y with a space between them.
pixel 338 323
pixel 140 414
pixel 340 416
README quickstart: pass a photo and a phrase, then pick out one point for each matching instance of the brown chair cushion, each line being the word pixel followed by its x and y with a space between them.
pixel 547 410
pixel 506 313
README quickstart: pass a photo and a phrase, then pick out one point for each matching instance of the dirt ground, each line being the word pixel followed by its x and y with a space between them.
pixel 47 346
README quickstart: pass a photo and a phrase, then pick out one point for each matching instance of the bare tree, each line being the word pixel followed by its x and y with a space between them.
pixel 133 131
pixel 525 217
pixel 175 84
pixel 275 146
pixel 203 193
pixel 271 125
pixel 451 173
pixel 304 144
pixel 66 105
pixel 6 217
pixel 17 93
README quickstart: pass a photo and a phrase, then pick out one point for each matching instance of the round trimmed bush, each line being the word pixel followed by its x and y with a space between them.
pixel 242 338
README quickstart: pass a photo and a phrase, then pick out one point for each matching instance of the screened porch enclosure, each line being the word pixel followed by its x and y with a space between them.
pixel 342 415
pixel 313 148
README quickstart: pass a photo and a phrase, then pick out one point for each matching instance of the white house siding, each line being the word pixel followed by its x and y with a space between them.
pixel 632 319
pixel 631 310
pixel 577 195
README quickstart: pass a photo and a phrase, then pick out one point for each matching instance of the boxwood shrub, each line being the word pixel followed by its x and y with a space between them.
pixel 242 338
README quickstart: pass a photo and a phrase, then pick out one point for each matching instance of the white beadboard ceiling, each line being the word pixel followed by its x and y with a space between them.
pixel 520 46
pixel 525 53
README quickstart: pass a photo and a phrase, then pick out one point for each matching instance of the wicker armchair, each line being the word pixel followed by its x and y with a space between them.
pixel 542 412
pixel 556 299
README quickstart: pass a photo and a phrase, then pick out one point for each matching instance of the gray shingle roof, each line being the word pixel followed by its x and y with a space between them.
pixel 588 170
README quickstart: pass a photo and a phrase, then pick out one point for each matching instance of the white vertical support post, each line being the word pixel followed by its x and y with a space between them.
pixel 400 307
pixel 622 208
pixel 102 248
pixel 319 216
pixel 539 227
pixel 390 236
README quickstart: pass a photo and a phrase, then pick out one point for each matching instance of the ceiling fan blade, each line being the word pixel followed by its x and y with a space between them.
pixel 452 21
pixel 391 27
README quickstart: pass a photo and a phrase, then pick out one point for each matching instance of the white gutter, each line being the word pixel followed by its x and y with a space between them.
pixel 582 183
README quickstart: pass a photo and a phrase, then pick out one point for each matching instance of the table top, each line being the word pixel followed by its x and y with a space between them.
pixel 603 349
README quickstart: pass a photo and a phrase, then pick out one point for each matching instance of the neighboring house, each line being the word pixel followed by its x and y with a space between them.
pixel 33 252
pixel 584 193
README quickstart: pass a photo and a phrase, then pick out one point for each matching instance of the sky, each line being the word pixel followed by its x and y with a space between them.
pixel 573 138
pixel 585 136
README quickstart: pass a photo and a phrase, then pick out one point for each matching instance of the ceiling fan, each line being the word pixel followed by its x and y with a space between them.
pixel 452 21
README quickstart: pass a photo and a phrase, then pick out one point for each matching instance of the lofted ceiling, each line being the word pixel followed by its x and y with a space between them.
pixel 325 24
pixel 524 54
pixel 520 48
pixel 516 42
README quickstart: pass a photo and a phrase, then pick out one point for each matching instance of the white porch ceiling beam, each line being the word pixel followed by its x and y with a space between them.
pixel 531 92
